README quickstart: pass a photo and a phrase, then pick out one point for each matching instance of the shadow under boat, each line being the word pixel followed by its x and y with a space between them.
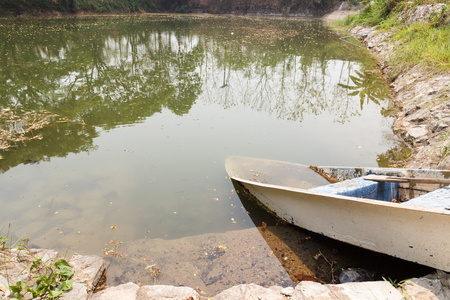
pixel 306 255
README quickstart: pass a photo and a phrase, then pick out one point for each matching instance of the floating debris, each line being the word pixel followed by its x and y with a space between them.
pixel 18 125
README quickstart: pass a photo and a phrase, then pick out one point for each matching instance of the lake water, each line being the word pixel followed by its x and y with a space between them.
pixel 159 102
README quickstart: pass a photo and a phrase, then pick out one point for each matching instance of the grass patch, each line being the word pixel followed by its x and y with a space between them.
pixel 48 279
pixel 426 43
pixel 375 13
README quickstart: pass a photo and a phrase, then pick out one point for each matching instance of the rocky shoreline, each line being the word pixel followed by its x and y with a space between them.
pixel 422 96
pixel 89 269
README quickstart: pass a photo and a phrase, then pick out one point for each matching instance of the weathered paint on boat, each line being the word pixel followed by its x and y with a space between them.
pixel 415 233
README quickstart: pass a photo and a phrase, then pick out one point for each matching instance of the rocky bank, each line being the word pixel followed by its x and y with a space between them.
pixel 422 95
pixel 90 268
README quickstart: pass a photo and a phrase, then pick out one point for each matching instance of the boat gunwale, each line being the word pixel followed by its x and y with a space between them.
pixel 347 198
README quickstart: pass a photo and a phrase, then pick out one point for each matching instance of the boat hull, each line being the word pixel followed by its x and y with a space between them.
pixel 416 234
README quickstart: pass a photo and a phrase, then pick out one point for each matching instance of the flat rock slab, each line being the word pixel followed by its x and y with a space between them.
pixel 131 291
pixel 375 290
pixel 45 254
pixel 415 291
pixel 157 292
pixel 312 290
pixel 416 132
pixel 78 292
pixel 250 292
pixel 432 286
pixel 127 291
pixel 88 269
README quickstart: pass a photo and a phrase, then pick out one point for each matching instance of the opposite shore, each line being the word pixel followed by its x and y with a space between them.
pixel 422 97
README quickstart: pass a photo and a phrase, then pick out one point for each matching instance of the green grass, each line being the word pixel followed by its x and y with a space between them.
pixel 49 279
pixel 424 44
pixel 375 13
pixel 427 44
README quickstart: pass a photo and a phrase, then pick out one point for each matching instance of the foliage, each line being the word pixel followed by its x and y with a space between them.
pixel 425 43
pixel 394 282
pixel 20 6
pixel 50 280
pixel 54 281
pixel 72 6
pixel 182 9
pixel 375 13
pixel 115 5
pixel 385 13
pixel 179 6
pixel 3 241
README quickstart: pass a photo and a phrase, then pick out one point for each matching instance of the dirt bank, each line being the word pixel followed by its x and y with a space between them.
pixel 422 96
pixel 263 7
pixel 342 10
pixel 304 8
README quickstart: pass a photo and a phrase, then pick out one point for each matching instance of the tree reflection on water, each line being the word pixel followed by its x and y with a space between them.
pixel 111 71
pixel 157 103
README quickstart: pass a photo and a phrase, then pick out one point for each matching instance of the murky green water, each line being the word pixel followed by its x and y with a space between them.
pixel 164 99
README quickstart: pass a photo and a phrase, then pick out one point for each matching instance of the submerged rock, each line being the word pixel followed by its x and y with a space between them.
pixel 212 273
pixel 356 275
pixel 156 292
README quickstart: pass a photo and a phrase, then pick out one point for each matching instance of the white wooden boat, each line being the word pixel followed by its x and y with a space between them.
pixel 367 213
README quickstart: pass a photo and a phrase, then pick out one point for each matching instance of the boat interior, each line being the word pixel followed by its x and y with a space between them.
pixel 426 188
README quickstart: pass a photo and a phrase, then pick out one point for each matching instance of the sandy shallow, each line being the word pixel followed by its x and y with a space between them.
pixel 209 263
